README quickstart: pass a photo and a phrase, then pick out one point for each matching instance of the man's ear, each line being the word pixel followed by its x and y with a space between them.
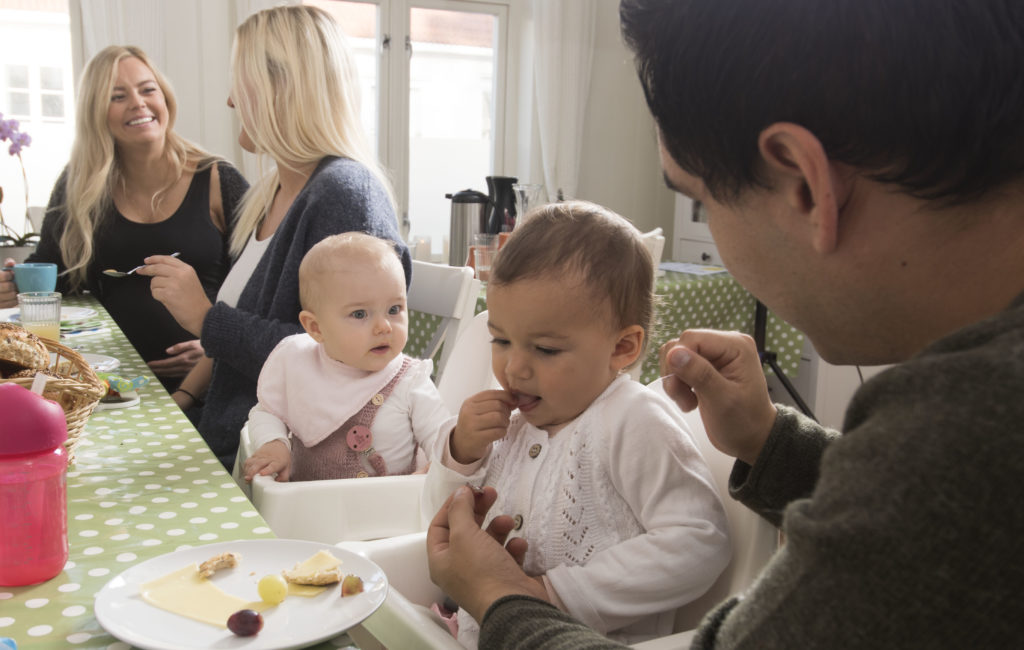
pixel 810 183
pixel 627 347
pixel 309 323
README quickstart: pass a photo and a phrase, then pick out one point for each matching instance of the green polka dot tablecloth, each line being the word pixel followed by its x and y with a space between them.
pixel 143 483
pixel 686 301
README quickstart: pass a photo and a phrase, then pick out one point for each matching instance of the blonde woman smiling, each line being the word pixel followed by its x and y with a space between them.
pixel 295 88
pixel 134 188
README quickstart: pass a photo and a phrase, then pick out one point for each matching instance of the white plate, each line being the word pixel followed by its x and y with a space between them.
pixel 99 362
pixel 68 315
pixel 72 315
pixel 295 623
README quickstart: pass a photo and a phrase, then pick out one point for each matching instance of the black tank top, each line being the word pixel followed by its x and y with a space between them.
pixel 122 244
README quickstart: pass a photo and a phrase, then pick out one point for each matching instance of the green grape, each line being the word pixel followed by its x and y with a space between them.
pixel 272 588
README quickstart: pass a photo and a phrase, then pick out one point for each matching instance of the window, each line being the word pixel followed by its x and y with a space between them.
pixel 433 97
pixel 17 92
pixel 51 92
pixel 35 89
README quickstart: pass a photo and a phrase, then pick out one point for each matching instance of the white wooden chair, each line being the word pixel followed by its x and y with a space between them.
pixel 655 243
pixel 449 292
pixel 35 214
pixel 405 621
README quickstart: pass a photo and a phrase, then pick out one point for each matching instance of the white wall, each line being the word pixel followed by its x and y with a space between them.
pixel 620 166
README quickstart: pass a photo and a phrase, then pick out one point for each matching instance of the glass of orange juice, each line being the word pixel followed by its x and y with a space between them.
pixel 39 313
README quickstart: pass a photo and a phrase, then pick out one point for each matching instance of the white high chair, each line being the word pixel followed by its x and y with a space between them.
pixel 752 538
pixel 405 621
pixel 469 366
pixel 375 507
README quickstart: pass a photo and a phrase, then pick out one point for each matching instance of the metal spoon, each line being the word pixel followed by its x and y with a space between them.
pixel 120 274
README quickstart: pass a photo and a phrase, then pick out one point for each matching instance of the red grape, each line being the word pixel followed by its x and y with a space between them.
pixel 245 622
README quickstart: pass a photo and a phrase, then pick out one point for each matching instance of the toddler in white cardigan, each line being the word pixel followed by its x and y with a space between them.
pixel 341 400
pixel 600 474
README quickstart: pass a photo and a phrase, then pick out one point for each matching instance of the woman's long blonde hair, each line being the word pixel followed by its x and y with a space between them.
pixel 296 88
pixel 95 168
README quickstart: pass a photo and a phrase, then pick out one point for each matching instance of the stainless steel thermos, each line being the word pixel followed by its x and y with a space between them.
pixel 469 217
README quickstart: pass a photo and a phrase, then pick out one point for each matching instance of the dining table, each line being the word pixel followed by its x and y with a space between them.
pixel 143 483
pixel 701 297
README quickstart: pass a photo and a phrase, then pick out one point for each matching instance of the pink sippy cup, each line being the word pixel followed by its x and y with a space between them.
pixel 33 487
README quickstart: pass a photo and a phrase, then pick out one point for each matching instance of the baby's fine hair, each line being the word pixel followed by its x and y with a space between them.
pixel 330 252
pixel 603 248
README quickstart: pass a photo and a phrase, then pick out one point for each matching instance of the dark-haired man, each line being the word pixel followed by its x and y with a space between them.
pixel 862 163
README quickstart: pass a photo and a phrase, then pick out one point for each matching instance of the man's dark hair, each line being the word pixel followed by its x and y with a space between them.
pixel 925 94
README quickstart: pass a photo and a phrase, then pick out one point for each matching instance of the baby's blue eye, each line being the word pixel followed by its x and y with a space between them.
pixel 359 313
pixel 395 309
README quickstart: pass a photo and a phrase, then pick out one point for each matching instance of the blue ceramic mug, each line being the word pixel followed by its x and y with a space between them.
pixel 35 276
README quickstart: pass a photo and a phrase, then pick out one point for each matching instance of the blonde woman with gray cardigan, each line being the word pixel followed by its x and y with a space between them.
pixel 324 181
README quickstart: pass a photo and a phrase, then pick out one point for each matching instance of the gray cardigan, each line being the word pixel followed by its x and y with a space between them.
pixel 905 532
pixel 341 196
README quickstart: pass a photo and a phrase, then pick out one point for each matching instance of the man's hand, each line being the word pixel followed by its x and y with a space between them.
pixel 470 564
pixel 268 459
pixel 181 357
pixel 175 284
pixel 721 373
pixel 483 419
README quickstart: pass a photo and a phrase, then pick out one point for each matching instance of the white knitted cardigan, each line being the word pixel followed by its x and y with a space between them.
pixel 619 510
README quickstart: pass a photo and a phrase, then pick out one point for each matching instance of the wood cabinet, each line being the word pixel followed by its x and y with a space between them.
pixel 691 241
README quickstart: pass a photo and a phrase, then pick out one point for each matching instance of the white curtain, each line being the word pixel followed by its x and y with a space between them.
pixel 122 22
pixel 564 42
pixel 190 41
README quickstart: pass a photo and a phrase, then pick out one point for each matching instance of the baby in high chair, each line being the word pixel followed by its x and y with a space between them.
pixel 600 473
pixel 342 400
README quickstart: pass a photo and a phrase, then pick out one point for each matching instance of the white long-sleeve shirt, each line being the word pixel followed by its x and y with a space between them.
pixel 619 509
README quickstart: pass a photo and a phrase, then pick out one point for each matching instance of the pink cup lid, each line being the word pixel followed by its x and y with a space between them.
pixel 29 423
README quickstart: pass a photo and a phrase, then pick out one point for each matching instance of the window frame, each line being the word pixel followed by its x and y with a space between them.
pixel 393 86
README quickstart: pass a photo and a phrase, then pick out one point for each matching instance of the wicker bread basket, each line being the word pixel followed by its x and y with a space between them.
pixel 76 388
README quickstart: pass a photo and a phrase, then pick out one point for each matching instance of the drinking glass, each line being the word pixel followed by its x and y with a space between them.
pixel 526 198
pixel 39 313
pixel 484 248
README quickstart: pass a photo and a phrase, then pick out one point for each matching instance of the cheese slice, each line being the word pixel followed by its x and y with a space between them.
pixel 306 591
pixel 184 593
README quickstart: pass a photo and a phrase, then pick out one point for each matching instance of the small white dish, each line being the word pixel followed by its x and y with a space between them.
pixel 68 315
pixel 295 623
pixel 72 315
pixel 99 362
pixel 126 400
